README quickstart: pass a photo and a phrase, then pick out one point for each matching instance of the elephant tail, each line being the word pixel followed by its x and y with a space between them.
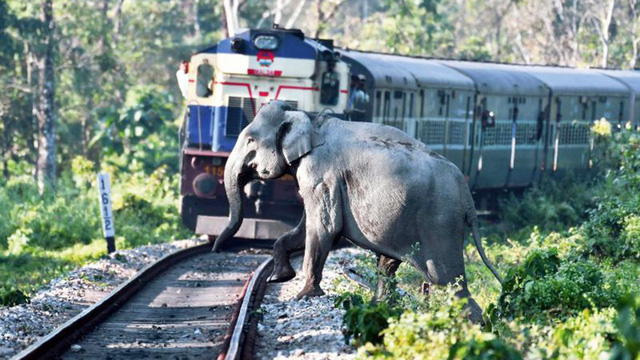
pixel 473 222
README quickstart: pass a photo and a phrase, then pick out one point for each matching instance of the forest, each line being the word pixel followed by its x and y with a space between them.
pixel 89 86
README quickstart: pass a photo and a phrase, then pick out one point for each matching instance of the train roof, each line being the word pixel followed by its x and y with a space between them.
pixel 493 78
pixel 424 73
pixel 628 77
pixel 569 81
pixel 385 71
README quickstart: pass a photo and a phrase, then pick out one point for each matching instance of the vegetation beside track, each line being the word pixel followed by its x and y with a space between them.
pixel 42 237
pixel 571 264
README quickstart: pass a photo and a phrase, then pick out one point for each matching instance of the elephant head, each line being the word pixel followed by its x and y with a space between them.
pixel 265 149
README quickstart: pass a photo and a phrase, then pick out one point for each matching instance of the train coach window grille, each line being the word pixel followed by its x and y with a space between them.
pixel 456 133
pixel 576 133
pixel 239 114
pixel 432 131
pixel 204 84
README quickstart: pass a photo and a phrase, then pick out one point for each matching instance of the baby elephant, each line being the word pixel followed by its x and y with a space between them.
pixel 369 183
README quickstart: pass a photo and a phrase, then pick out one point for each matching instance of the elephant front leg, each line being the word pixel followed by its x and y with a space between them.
pixel 323 227
pixel 289 242
pixel 387 268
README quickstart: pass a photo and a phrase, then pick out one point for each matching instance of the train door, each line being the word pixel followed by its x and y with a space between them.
pixel 525 150
pixel 201 101
pixel 410 113
pixel 430 126
pixel 458 116
pixel 571 133
pixel 494 142
pixel 541 136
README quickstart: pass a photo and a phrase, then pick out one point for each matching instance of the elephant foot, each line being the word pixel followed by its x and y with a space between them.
pixel 475 312
pixel 310 291
pixel 281 274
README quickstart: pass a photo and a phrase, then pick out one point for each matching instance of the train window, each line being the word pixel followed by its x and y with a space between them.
pixel 421 103
pixel 397 94
pixel 330 88
pixel 204 85
pixel 378 102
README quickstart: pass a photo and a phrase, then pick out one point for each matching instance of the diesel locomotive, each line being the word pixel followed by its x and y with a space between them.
pixel 505 126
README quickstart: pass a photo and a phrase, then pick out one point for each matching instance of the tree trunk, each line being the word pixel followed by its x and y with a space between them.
pixel 46 165
pixel 634 33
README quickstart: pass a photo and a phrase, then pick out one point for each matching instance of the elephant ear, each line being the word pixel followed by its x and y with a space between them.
pixel 297 136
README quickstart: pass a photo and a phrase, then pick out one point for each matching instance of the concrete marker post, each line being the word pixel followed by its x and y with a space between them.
pixel 104 198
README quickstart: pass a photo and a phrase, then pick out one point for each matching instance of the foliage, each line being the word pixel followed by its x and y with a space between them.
pixel 440 332
pixel 613 226
pixel 556 204
pixel 364 321
pixel 10 296
pixel 544 284
pixel 628 323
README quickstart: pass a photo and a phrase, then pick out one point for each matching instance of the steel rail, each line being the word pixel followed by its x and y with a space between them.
pixel 237 338
pixel 58 341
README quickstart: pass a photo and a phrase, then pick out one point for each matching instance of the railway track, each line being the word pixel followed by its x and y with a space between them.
pixel 189 304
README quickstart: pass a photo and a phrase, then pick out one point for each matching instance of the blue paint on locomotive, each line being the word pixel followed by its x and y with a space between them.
pixel 290 46
pixel 200 126
pixel 215 127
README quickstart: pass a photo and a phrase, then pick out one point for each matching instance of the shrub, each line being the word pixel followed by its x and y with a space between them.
pixel 628 324
pixel 441 332
pixel 11 296
pixel 363 320
pixel 544 284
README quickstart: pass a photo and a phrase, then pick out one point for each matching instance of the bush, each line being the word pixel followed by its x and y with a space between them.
pixel 364 321
pixel 441 332
pixel 11 296
pixel 628 324
pixel 545 285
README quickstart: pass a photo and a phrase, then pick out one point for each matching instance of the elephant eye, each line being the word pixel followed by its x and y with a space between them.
pixel 250 140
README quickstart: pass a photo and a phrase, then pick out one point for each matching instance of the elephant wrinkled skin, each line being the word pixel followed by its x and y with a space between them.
pixel 369 183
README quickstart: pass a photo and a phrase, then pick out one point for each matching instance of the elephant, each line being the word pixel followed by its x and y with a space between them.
pixel 369 183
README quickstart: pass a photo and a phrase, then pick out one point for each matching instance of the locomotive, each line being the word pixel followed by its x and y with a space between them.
pixel 505 126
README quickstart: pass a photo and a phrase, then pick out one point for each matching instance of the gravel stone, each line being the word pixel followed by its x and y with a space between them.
pixel 310 328
pixel 67 296
pixel 5 351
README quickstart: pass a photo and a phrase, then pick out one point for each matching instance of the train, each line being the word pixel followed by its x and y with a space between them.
pixel 505 126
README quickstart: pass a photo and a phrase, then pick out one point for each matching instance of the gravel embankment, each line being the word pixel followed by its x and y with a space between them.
pixel 65 297
pixel 309 328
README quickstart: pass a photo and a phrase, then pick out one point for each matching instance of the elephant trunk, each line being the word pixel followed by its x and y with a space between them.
pixel 235 178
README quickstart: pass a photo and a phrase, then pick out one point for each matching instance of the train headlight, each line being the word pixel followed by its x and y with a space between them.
pixel 204 185
pixel 266 42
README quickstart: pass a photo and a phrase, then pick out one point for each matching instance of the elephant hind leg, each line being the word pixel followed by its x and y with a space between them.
pixel 443 274
pixel 387 268
pixel 475 312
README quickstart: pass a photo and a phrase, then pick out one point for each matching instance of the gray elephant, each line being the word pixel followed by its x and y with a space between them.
pixel 369 183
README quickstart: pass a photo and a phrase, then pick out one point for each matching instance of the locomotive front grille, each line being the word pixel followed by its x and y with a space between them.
pixel 240 113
